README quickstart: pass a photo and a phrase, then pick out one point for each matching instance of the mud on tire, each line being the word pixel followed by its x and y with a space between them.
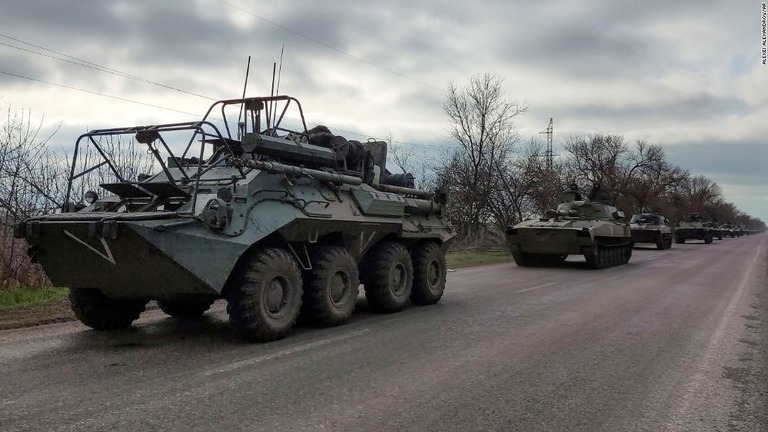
pixel 429 274
pixel 100 312
pixel 331 287
pixel 390 277
pixel 264 300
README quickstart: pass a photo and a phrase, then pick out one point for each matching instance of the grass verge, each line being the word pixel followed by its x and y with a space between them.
pixel 19 297
pixel 459 259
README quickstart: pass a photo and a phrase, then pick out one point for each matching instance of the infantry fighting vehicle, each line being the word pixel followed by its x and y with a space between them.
pixel 693 228
pixel 651 228
pixel 578 226
pixel 275 218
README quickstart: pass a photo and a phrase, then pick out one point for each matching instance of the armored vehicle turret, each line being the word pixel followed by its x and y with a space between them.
pixel 248 205
pixel 693 228
pixel 578 226
pixel 651 228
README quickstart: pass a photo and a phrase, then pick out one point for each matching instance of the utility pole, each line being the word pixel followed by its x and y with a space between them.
pixel 548 155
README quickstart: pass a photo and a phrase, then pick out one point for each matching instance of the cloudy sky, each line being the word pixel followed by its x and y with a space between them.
pixel 687 75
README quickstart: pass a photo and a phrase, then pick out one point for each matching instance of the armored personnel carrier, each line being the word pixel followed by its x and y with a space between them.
pixel 716 230
pixel 578 226
pixel 693 229
pixel 651 228
pixel 247 205
pixel 728 230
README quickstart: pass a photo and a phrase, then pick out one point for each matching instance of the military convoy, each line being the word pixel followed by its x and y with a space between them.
pixel 651 228
pixel 590 227
pixel 284 221
pixel 277 219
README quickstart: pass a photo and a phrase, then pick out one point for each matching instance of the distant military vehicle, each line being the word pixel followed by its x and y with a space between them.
pixel 693 228
pixel 728 230
pixel 715 229
pixel 578 226
pixel 261 212
pixel 651 228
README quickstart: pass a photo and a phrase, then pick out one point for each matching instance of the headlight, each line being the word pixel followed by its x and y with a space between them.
pixel 90 197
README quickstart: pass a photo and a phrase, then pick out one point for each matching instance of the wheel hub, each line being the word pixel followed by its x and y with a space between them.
pixel 275 296
pixel 397 279
pixel 339 285
pixel 433 273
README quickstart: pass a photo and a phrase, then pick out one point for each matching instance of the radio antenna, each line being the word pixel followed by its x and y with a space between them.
pixel 271 94
pixel 240 123
pixel 277 89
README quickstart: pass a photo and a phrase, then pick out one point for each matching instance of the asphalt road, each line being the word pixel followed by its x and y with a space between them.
pixel 675 340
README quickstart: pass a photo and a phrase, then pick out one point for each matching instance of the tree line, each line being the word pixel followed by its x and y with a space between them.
pixel 497 180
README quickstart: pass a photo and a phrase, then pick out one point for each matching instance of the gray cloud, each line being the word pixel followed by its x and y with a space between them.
pixel 623 67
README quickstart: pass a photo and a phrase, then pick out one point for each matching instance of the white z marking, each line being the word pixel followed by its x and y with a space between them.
pixel 107 257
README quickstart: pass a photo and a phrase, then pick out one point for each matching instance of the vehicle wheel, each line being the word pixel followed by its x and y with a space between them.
pixel 627 253
pixel 594 256
pixel 264 301
pixel 660 243
pixel 331 287
pixel 429 273
pixel 521 258
pixel 668 243
pixel 720 237
pixel 679 240
pixel 390 277
pixel 100 312
pixel 707 239
pixel 186 308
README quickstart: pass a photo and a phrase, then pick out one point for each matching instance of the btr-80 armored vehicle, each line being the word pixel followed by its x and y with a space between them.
pixel 651 228
pixel 578 226
pixel 277 220
pixel 693 228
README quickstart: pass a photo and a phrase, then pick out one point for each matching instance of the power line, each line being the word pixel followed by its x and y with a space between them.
pixel 95 93
pixel 91 65
pixel 95 66
pixel 330 47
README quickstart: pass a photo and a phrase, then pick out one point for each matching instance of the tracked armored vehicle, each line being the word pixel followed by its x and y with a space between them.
pixel 651 228
pixel 579 227
pixel 277 220
pixel 693 229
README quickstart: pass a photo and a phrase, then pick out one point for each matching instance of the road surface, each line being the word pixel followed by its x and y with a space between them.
pixel 675 340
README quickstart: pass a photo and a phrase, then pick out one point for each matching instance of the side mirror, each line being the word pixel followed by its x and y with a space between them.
pixel 618 215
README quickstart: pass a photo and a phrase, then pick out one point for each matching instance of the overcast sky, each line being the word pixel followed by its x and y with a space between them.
pixel 687 75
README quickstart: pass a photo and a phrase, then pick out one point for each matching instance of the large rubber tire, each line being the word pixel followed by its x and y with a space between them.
pixel 331 287
pixel 190 308
pixel 708 239
pixel 429 274
pixel 679 240
pixel 264 300
pixel 390 277
pixel 100 312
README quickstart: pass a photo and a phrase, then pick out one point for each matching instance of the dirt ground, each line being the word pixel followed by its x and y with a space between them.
pixel 49 313
pixel 28 316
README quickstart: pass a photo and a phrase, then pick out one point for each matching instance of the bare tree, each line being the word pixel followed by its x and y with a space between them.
pixel 481 121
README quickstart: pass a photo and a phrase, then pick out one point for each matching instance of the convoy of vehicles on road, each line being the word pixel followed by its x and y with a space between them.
pixel 283 221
